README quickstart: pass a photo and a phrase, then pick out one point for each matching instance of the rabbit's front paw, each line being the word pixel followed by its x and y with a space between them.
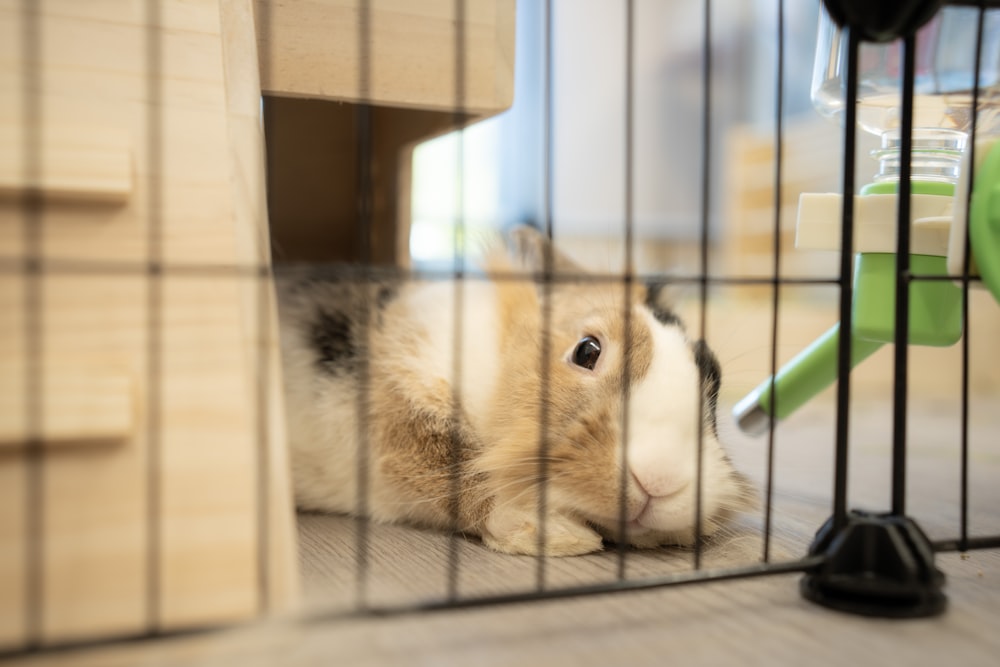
pixel 519 534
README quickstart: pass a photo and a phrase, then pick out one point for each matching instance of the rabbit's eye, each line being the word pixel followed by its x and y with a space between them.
pixel 586 353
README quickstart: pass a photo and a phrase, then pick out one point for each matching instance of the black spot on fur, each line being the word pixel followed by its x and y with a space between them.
pixel 660 311
pixel 333 340
pixel 386 293
pixel 711 378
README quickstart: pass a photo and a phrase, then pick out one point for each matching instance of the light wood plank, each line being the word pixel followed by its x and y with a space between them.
pixel 259 310
pixel 72 163
pixel 104 509
pixel 13 552
pixel 310 48
pixel 79 407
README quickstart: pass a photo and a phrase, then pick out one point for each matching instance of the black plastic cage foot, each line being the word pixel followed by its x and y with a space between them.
pixel 875 565
pixel 883 21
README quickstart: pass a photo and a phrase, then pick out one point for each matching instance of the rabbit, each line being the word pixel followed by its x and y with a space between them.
pixel 457 443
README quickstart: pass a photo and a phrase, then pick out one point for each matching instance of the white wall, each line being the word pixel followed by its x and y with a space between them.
pixel 588 123
pixel 589 119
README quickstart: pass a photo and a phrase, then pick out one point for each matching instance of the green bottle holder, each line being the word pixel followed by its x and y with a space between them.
pixel 935 313
pixel 984 221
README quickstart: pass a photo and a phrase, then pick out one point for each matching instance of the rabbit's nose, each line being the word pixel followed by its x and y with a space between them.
pixel 637 499
pixel 661 483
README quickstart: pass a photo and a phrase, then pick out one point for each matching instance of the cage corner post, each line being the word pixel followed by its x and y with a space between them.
pixel 876 564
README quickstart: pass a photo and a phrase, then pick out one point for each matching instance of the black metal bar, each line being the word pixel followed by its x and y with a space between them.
pixel 966 261
pixel 548 110
pixel 604 588
pixel 902 315
pixel 457 333
pixel 548 279
pixel 154 315
pixel 846 287
pixel 967 543
pixel 60 266
pixel 56 647
pixel 608 588
pixel 263 280
pixel 629 181
pixel 947 278
pixel 779 106
pixel 545 390
pixel 706 176
pixel 363 130
pixel 30 268
pixel 263 431
pixel 628 283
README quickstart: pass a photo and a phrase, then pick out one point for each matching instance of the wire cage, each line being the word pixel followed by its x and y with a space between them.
pixel 145 463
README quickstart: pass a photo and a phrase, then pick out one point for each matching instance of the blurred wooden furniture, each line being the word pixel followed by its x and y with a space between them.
pixel 811 152
pixel 143 480
pixel 311 65
pixel 143 472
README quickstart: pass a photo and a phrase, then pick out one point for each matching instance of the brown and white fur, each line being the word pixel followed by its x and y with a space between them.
pixel 467 450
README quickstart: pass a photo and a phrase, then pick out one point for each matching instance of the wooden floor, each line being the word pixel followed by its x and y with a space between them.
pixel 762 620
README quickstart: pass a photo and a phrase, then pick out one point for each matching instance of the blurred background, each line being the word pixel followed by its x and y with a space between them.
pixel 503 158
pixel 492 175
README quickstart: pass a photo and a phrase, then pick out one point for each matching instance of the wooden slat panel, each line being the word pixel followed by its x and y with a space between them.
pixel 13 551
pixel 309 48
pixel 260 340
pixel 74 163
pixel 207 455
pixel 80 406
pixel 98 525
pixel 93 499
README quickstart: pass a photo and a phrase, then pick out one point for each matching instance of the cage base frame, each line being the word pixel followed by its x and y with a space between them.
pixel 875 565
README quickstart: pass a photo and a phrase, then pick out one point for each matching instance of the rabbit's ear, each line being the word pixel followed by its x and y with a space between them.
pixel 536 252
pixel 662 297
